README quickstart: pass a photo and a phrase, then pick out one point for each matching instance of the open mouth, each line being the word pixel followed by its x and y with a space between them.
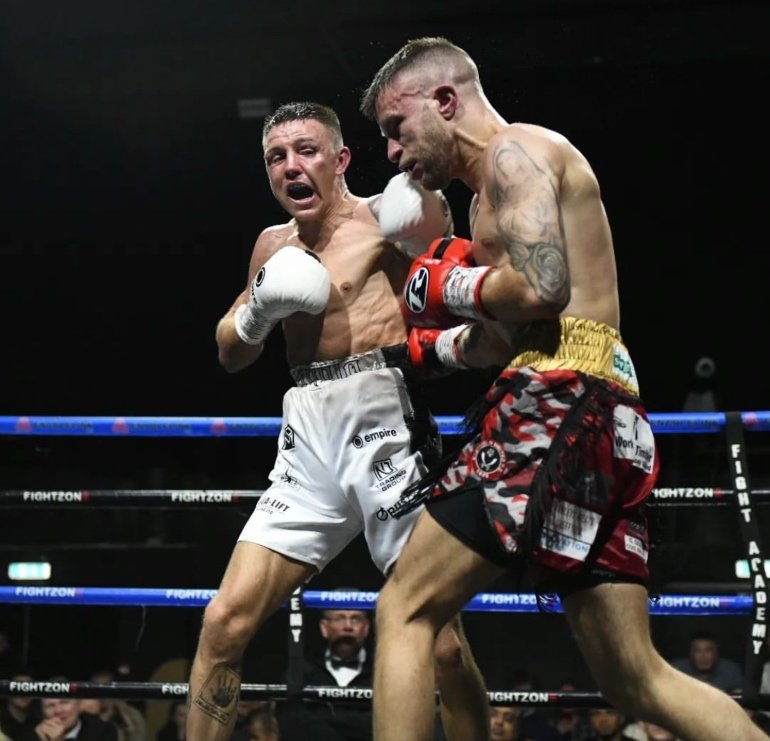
pixel 299 192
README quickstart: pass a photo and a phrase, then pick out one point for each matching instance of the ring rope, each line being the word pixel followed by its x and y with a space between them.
pixel 690 422
pixel 354 695
pixel 665 604
pixel 171 498
pixel 487 602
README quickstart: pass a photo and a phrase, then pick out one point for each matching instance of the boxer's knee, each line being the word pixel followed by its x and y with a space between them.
pixel 227 629
pixel 449 653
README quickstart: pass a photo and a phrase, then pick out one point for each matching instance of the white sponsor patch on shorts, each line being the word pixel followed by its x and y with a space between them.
pixel 635 546
pixel 271 504
pixel 632 438
pixel 569 530
pixel 623 367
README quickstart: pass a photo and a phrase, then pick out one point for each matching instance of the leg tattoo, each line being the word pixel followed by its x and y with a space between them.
pixel 219 695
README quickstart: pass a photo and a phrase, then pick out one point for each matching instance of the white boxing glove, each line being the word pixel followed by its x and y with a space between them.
pixel 412 216
pixel 293 279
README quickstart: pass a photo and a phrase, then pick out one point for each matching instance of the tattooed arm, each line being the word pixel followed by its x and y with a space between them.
pixel 524 222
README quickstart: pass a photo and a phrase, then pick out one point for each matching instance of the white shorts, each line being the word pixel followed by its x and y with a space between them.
pixel 347 449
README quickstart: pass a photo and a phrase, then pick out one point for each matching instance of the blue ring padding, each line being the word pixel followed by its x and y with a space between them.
pixel 668 604
pixel 700 422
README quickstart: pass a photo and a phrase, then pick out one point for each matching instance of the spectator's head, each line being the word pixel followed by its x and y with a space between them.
pixel 345 631
pixel 65 709
pixel 704 652
pixel 504 723
pixel 606 723
pixel 21 706
pixel 262 725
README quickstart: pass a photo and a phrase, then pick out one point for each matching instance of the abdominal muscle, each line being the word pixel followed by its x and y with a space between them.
pixel 364 310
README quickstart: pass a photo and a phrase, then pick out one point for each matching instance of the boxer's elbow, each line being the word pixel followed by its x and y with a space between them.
pixel 233 354
pixel 508 295
pixel 234 358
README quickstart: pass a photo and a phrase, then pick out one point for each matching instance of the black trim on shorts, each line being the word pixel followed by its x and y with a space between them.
pixel 550 581
pixel 463 513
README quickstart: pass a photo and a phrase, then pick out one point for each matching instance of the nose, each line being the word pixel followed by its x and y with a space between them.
pixel 292 164
pixel 395 150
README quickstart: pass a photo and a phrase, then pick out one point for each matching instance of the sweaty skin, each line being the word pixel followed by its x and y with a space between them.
pixel 536 212
pixel 537 216
pixel 305 163
pixel 366 271
pixel 539 210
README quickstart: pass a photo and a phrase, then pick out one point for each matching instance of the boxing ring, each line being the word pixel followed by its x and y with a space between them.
pixel 741 497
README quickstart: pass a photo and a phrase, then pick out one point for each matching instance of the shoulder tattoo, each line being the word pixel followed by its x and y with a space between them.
pixel 529 220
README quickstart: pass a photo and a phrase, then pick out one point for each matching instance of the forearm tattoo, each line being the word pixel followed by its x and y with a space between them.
pixel 529 222
pixel 218 698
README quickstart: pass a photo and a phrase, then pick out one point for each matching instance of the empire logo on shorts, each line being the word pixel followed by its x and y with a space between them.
pixel 288 438
pixel 360 440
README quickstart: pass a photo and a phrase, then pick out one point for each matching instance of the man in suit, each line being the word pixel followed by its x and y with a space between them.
pixel 62 719
pixel 345 662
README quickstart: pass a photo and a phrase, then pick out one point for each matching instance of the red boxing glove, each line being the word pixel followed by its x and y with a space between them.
pixel 455 249
pixel 444 285
pixel 434 353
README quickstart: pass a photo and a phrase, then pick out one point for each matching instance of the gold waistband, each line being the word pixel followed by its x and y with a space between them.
pixel 588 347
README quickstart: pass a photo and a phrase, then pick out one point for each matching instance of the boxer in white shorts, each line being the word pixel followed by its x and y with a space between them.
pixel 348 446
pixel 352 436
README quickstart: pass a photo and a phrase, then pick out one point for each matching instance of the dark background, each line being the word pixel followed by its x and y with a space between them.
pixel 132 192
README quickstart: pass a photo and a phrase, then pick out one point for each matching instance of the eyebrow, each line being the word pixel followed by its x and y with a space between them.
pixel 294 144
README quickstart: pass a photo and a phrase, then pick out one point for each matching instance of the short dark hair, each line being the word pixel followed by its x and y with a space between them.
pixel 301 111
pixel 703 635
pixel 406 56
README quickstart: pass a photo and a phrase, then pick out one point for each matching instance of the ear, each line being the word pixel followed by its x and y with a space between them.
pixel 446 97
pixel 324 629
pixel 343 160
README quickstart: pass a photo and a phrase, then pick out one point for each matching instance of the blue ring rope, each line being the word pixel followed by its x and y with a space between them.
pixel 667 604
pixel 700 422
